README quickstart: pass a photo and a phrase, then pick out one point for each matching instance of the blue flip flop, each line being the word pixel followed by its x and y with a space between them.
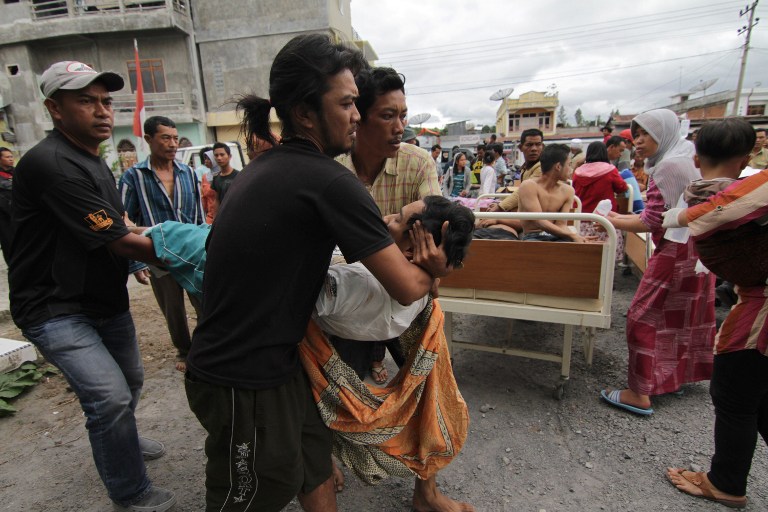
pixel 614 398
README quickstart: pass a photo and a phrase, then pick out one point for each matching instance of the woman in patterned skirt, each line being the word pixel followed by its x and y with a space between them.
pixel 671 321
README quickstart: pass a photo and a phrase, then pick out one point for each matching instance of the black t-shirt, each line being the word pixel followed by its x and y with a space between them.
pixel 268 254
pixel 66 208
pixel 222 183
pixel 6 185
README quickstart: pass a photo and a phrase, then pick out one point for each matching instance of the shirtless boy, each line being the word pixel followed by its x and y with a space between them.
pixel 549 193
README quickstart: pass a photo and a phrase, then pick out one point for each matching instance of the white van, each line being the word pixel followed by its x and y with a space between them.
pixel 191 155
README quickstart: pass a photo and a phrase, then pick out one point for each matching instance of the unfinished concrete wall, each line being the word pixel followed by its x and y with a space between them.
pixel 26 112
pixel 238 40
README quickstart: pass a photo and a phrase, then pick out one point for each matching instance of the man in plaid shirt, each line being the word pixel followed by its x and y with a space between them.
pixel 394 172
pixel 153 191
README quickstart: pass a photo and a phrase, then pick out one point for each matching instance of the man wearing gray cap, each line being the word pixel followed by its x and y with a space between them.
pixel 68 269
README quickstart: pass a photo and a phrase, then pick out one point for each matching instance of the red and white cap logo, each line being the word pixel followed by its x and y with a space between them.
pixel 79 67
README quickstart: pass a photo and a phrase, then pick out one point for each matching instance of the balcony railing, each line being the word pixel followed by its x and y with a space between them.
pixel 47 9
pixel 159 102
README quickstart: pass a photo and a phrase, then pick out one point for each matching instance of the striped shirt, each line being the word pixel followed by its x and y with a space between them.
pixel 147 202
pixel 406 178
pixel 746 201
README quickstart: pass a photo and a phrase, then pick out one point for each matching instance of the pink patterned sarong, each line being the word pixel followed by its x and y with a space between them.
pixel 671 321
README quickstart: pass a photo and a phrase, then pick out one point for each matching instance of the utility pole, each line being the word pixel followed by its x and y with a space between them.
pixel 748 29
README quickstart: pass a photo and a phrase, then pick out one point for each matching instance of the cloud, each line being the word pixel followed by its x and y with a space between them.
pixel 599 55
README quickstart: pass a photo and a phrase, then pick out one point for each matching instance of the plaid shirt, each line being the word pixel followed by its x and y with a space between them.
pixel 406 178
pixel 147 202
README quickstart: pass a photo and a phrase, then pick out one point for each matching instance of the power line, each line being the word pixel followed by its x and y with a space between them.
pixel 702 67
pixel 635 20
pixel 547 50
pixel 555 77
pixel 562 37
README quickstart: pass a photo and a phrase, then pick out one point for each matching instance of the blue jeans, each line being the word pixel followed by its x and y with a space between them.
pixel 101 361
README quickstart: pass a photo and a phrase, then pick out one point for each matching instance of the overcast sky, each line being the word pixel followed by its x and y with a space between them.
pixel 598 55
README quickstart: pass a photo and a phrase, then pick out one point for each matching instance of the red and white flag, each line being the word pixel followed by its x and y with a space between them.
pixel 140 114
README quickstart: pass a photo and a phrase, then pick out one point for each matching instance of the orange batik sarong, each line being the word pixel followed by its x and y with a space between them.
pixel 414 426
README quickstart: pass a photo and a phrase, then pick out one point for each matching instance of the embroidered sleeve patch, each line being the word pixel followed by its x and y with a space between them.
pixel 98 221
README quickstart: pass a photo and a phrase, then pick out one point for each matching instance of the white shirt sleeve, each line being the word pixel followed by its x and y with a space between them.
pixel 354 305
pixel 487 180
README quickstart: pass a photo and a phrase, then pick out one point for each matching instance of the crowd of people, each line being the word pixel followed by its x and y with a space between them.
pixel 275 369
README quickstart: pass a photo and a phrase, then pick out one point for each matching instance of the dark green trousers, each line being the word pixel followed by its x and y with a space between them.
pixel 263 447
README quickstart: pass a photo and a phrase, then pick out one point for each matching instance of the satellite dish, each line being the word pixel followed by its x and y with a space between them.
pixel 703 86
pixel 501 94
pixel 419 118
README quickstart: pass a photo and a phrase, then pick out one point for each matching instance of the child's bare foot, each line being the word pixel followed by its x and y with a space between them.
pixel 338 477
pixel 426 498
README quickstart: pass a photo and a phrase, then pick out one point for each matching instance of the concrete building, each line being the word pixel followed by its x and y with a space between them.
pixel 752 106
pixel 36 33
pixel 532 109
pixel 238 39
pixel 197 57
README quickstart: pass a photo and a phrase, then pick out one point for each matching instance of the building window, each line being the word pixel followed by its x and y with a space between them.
pixel 152 75
pixel 544 120
pixel 756 110
pixel 49 8
pixel 521 122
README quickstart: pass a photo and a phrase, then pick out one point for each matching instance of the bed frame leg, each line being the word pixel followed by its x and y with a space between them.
pixel 565 370
pixel 589 345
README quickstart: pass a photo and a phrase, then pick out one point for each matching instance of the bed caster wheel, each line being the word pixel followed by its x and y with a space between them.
pixel 559 391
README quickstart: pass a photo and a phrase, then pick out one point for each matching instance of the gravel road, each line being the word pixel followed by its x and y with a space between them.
pixel 525 452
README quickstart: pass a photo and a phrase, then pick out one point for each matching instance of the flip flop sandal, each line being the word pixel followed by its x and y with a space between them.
pixel 699 480
pixel 614 398
pixel 376 373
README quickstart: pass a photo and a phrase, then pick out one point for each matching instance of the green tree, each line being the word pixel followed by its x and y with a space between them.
pixel 562 116
pixel 488 129
pixel 579 117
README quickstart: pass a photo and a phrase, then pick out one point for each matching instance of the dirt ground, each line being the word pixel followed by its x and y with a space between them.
pixel 527 452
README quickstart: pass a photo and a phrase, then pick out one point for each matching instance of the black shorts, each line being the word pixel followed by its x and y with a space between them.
pixel 263 447
pixel 493 234
pixel 542 236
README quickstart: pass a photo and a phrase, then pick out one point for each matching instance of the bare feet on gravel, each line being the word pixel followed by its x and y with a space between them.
pixel 426 498
pixel 338 477
pixel 698 485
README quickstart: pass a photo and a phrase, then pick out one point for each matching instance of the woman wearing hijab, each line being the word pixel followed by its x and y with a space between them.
pixel 671 321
